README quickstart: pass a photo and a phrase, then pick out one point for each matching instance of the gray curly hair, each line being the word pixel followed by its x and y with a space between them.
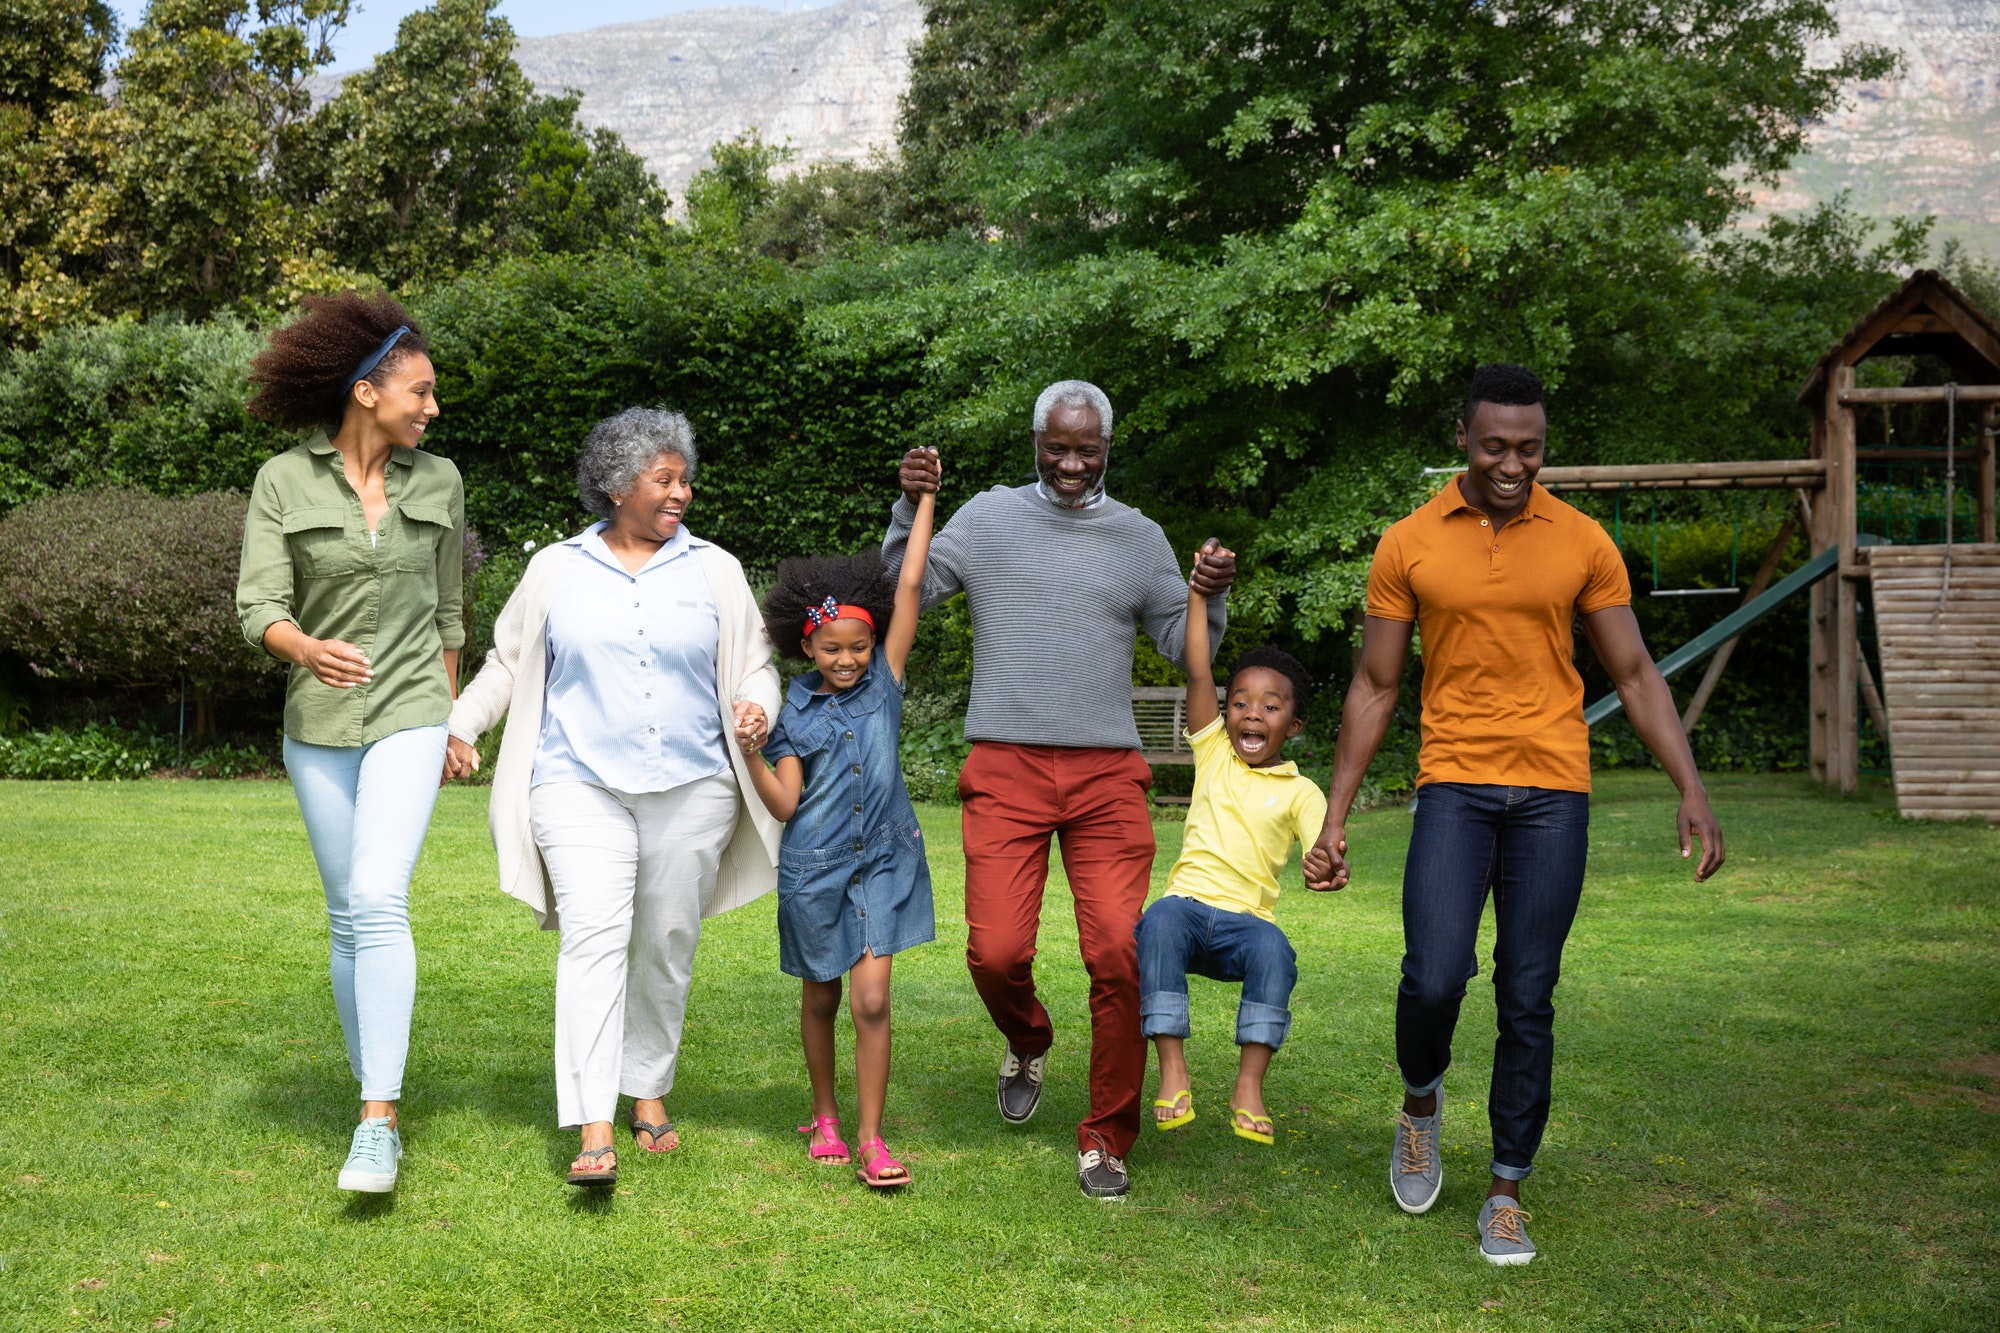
pixel 1075 395
pixel 620 447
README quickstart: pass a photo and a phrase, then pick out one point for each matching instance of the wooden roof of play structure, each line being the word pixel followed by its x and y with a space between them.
pixel 1936 607
pixel 1926 316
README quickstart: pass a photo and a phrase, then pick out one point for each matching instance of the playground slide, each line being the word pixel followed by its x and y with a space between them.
pixel 1733 624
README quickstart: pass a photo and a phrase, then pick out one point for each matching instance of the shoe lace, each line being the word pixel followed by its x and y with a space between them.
pixel 1506 1224
pixel 1011 1065
pixel 1411 1158
pixel 373 1139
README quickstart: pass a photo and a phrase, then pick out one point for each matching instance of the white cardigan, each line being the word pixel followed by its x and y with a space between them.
pixel 513 681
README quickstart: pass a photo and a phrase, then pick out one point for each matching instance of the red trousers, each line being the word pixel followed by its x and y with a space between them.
pixel 1094 801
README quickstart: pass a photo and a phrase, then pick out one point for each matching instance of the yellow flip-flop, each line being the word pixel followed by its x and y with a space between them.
pixel 1168 1103
pixel 1253 1134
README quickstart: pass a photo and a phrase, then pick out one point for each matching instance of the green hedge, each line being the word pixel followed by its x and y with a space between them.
pixel 103 753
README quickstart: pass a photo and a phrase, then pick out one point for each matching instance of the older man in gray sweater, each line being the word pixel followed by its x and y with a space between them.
pixel 1060 578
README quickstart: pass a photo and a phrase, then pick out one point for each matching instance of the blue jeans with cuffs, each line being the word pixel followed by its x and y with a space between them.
pixel 1179 935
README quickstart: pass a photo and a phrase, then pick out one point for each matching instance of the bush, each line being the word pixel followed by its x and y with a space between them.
pixel 100 753
pixel 120 587
pixel 157 405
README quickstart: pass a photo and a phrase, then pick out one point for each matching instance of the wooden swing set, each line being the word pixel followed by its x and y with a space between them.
pixel 1936 606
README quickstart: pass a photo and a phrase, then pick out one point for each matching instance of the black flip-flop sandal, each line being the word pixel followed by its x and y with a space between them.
pixel 592 1179
pixel 659 1131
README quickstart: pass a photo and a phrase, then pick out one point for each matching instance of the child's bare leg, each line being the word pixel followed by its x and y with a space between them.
pixel 868 1005
pixel 1173 1075
pixel 1249 1094
pixel 819 1006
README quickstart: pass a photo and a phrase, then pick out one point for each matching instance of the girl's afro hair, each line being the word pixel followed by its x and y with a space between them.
pixel 301 375
pixel 857 580
pixel 1282 662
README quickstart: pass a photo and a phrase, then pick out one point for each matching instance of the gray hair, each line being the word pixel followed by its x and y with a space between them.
pixel 619 448
pixel 1076 395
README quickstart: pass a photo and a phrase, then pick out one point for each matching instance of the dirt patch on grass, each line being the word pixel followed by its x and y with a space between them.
pixel 1984 1069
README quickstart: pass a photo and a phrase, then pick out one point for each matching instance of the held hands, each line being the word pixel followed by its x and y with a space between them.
pixel 752 727
pixel 1214 568
pixel 920 473
pixel 1325 864
pixel 460 761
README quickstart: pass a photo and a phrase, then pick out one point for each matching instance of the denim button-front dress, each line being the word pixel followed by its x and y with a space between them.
pixel 852 877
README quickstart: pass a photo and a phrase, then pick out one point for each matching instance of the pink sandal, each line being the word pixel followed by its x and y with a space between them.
pixel 876 1163
pixel 823 1141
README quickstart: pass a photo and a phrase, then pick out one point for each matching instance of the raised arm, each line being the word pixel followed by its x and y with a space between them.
pixel 1201 709
pixel 944 571
pixel 1614 635
pixel 1364 721
pixel 777 788
pixel 1167 609
pixel 910 587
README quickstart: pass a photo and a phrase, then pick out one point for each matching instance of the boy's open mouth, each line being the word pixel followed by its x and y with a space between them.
pixel 1252 742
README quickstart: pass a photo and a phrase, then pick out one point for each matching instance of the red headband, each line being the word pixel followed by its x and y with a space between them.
pixel 829 611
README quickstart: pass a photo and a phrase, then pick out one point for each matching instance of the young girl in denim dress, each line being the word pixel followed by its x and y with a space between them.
pixel 854 889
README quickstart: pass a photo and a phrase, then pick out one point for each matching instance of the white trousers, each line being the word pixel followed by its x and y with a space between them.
pixel 632 876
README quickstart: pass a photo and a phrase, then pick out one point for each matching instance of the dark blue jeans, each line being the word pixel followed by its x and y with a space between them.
pixel 1179 935
pixel 1527 845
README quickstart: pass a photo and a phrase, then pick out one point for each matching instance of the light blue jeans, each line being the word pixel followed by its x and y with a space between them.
pixel 366 809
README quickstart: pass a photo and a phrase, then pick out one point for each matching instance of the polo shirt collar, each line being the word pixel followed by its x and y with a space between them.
pixel 1451 500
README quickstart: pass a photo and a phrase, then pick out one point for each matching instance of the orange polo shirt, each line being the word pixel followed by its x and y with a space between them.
pixel 1503 703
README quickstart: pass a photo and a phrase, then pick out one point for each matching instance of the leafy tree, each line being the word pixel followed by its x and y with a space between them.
pixel 1281 232
pixel 409 167
pixel 209 95
pixel 964 77
pixel 735 185
pixel 583 190
pixel 52 59
pixel 441 156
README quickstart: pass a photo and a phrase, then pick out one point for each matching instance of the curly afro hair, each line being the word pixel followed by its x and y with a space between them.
pixel 857 580
pixel 1282 662
pixel 1503 383
pixel 301 375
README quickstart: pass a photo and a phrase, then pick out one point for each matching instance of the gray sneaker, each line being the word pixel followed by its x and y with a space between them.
pixel 371 1162
pixel 1020 1086
pixel 1102 1177
pixel 1503 1232
pixel 1416 1170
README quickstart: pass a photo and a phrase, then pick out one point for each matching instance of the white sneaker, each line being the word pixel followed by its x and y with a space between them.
pixel 372 1161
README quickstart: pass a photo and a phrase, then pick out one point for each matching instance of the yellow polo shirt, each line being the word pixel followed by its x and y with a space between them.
pixel 1241 827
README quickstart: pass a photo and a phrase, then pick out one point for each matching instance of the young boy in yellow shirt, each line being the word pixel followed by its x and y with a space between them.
pixel 1250 807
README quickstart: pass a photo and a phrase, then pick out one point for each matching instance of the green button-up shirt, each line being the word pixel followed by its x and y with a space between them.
pixel 307 558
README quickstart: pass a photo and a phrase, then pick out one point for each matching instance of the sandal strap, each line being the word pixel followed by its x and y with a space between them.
pixel 594 1154
pixel 881 1158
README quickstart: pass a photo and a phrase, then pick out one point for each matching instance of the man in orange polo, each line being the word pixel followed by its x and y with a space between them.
pixel 1494 570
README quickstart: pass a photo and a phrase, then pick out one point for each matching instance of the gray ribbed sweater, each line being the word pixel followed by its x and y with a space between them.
pixel 1058 597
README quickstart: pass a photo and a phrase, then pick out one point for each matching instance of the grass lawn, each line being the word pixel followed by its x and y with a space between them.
pixel 1777 1099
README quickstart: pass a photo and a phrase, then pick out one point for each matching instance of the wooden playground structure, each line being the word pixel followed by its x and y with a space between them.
pixel 1935 605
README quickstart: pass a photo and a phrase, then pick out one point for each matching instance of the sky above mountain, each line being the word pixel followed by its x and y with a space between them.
pixel 371 24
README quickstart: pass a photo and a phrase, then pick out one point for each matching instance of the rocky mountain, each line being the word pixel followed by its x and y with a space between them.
pixel 826 79
pixel 1926 140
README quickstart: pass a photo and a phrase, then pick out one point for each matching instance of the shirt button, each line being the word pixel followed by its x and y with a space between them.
pixel 863 914
pixel 649 696
pixel 649 731
pixel 857 770
pixel 850 735
pixel 1482 522
pixel 857 808
pixel 642 634
pixel 642 664
pixel 1496 550
pixel 857 844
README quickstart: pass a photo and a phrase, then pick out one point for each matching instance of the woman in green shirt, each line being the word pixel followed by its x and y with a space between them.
pixel 351 572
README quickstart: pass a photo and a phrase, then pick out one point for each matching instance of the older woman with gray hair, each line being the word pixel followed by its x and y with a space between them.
pixel 626 657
